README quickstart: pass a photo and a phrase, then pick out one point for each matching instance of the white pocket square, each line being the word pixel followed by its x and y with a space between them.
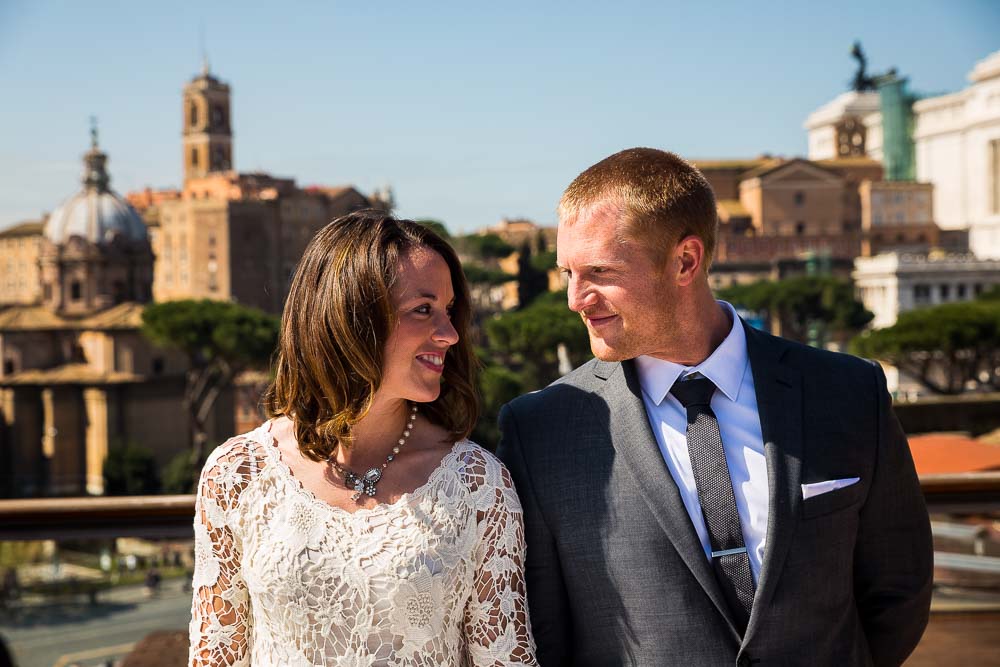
pixel 819 488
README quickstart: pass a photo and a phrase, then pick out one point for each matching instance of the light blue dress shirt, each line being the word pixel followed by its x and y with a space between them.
pixel 735 406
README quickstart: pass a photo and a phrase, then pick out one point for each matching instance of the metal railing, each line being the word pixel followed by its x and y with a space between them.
pixel 97 517
pixel 172 516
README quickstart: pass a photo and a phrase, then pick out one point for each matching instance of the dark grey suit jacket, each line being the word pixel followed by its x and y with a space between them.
pixel 617 576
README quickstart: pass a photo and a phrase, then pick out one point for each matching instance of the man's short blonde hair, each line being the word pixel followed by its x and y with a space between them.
pixel 662 197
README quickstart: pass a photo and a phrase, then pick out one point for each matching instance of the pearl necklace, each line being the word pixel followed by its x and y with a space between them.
pixel 365 482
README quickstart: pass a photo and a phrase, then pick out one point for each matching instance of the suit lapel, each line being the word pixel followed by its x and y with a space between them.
pixel 635 443
pixel 779 406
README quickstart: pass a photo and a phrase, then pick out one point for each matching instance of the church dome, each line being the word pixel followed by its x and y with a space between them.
pixel 96 213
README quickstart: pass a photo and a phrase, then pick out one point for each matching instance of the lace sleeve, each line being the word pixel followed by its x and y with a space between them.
pixel 220 627
pixel 496 620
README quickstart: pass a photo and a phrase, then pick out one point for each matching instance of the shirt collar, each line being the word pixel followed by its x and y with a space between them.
pixel 724 367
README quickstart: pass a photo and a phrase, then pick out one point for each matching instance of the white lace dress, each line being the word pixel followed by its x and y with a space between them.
pixel 283 578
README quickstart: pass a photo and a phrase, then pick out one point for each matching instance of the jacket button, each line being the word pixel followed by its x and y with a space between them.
pixel 744 661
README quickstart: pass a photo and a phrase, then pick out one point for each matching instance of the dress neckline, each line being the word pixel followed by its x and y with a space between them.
pixel 270 445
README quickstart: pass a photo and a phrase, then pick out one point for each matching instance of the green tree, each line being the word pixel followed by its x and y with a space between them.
pixel 497 385
pixel 180 475
pixel 946 348
pixel 807 309
pixel 130 470
pixel 531 281
pixel 477 274
pixel 544 260
pixel 220 339
pixel 435 226
pixel 992 294
pixel 482 246
pixel 528 339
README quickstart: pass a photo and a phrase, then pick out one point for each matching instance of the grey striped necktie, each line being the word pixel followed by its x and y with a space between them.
pixel 730 561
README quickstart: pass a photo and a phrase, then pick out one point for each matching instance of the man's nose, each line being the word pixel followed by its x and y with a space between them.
pixel 579 295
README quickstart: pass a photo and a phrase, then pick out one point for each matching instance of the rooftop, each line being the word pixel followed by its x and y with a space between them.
pixel 28 318
pixel 32 228
pixel 940 453
pixel 70 374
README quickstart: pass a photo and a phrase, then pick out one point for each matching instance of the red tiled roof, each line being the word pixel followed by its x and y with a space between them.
pixel 935 453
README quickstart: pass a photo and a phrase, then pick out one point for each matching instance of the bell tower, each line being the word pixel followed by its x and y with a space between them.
pixel 208 133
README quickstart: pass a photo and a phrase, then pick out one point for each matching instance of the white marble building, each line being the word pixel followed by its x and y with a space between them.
pixel 893 283
pixel 848 124
pixel 957 140
pixel 957 145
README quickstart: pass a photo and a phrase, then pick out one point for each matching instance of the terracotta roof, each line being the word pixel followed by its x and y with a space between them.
pixel 749 163
pixel 69 374
pixel 766 167
pixel 27 318
pixel 952 453
pixel 991 438
pixel 24 229
pixel 163 648
pixel 126 315
pixel 849 162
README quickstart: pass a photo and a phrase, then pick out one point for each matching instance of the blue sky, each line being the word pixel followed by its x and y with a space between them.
pixel 471 111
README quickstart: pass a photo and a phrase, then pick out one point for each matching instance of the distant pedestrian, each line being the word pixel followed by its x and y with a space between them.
pixel 10 590
pixel 152 581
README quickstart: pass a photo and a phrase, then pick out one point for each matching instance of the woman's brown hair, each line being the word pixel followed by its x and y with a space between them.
pixel 337 319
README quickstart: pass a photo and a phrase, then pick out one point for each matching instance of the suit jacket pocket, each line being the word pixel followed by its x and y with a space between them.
pixel 833 501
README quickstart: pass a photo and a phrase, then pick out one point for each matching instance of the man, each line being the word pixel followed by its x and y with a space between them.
pixel 703 493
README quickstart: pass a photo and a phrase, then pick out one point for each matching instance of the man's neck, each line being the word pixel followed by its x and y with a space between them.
pixel 703 330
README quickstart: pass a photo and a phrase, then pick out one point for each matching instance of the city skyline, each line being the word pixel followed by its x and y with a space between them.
pixel 470 114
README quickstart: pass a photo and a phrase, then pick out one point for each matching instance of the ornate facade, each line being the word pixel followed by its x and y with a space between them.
pixel 77 376
pixel 779 216
pixel 893 283
pixel 956 144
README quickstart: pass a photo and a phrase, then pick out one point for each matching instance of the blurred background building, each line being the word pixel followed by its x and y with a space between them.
pixel 76 375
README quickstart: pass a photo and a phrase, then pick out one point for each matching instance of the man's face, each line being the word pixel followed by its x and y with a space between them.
pixel 624 298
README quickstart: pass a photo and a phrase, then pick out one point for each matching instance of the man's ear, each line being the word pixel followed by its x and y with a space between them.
pixel 689 258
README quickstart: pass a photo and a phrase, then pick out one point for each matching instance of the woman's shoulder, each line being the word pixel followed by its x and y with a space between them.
pixel 483 471
pixel 238 460
pixel 469 453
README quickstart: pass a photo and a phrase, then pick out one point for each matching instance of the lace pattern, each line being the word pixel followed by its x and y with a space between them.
pixel 283 578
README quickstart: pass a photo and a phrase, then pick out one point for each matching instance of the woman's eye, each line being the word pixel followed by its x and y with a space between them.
pixel 424 309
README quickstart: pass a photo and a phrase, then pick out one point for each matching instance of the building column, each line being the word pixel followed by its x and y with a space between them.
pixel 61 440
pixel 97 404
pixel 21 420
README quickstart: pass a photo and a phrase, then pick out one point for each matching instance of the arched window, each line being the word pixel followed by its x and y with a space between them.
pixel 193 114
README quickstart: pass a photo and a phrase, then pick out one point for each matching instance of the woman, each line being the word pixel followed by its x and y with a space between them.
pixel 360 526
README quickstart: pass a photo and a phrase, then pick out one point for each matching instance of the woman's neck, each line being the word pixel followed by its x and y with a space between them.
pixel 375 435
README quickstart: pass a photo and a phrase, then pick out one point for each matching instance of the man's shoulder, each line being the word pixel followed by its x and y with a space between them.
pixel 817 361
pixel 585 379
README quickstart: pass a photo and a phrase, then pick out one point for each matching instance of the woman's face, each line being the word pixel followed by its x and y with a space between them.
pixel 415 351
